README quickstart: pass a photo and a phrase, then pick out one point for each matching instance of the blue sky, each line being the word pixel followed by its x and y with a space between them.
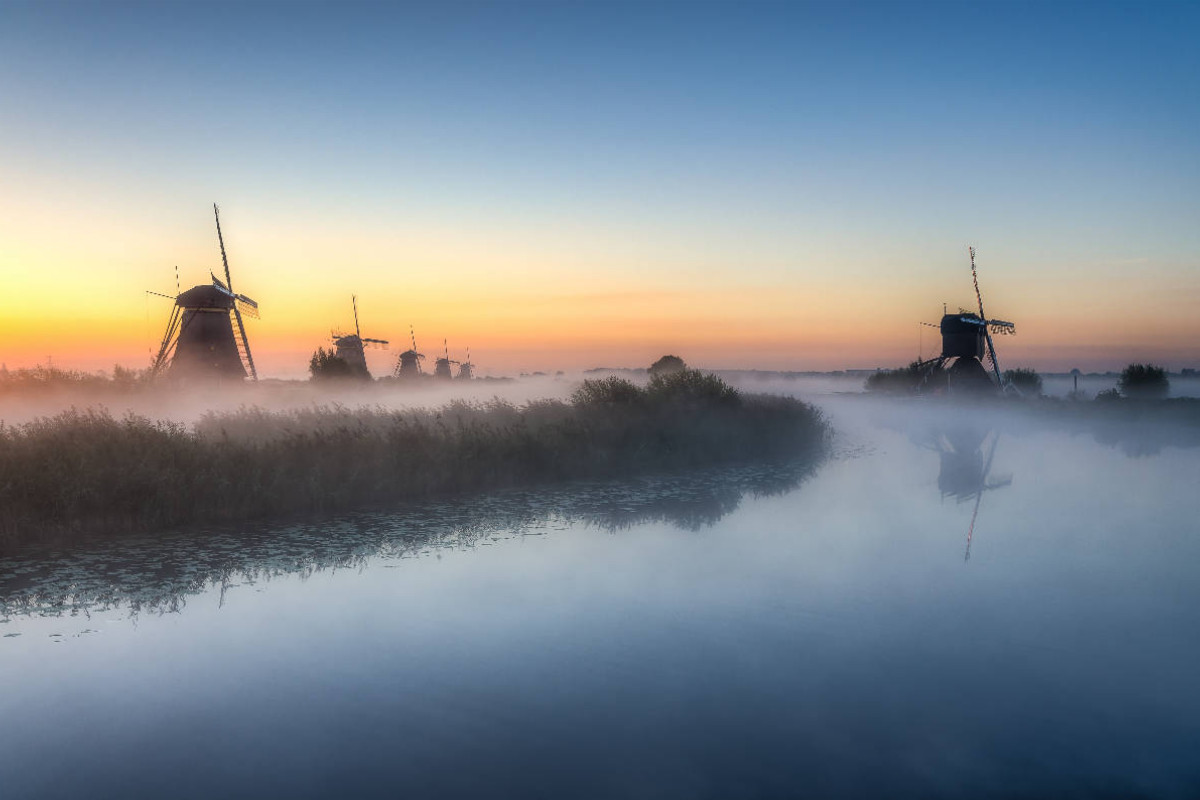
pixel 633 147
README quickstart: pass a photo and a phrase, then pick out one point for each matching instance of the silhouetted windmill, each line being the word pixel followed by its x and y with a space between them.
pixel 351 347
pixel 967 344
pixel 408 364
pixel 441 367
pixel 200 339
pixel 466 370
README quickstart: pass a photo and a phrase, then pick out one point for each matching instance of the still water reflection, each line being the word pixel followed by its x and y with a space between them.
pixel 742 633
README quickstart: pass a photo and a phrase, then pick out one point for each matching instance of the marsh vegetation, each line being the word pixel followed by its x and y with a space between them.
pixel 88 471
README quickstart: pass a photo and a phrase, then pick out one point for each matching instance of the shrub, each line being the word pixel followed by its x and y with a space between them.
pixel 692 386
pixel 1144 381
pixel 611 390
pixel 326 365
pixel 1027 380
pixel 916 377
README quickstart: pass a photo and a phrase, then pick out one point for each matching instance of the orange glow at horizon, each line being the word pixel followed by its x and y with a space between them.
pixel 567 302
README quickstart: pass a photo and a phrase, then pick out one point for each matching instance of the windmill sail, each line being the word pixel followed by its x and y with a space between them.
pixel 237 311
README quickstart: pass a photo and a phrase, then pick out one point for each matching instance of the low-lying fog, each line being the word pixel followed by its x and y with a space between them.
pixel 958 602
pixel 189 404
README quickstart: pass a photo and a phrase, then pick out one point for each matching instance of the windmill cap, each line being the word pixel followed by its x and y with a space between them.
pixel 204 296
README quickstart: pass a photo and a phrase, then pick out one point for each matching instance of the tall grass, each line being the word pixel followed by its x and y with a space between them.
pixel 88 471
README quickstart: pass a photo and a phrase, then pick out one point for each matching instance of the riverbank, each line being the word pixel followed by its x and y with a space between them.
pixel 87 472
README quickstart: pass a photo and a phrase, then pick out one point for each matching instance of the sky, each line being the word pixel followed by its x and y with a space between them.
pixel 569 185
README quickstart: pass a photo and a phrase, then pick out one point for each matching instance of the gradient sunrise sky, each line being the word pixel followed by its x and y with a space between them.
pixel 567 185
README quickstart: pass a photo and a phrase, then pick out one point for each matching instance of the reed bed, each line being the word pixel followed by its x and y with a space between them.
pixel 88 472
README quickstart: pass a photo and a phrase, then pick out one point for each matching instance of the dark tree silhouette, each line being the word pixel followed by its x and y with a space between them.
pixel 325 365
pixel 667 365
pixel 1025 379
pixel 1144 381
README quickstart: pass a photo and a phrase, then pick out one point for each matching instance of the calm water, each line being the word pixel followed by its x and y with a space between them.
pixel 736 633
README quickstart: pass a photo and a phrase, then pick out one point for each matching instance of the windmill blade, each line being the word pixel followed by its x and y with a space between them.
pixel 382 342
pixel 982 316
pixel 160 294
pixel 246 305
pixel 1000 327
pixel 354 302
pixel 228 288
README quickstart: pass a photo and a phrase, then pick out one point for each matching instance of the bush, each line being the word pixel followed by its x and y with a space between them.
pixel 326 365
pixel 692 386
pixel 916 377
pixel 1027 380
pixel 1144 381
pixel 607 391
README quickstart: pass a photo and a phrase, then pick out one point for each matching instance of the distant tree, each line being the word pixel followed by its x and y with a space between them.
pixel 667 365
pixel 325 365
pixel 1144 381
pixel 1027 380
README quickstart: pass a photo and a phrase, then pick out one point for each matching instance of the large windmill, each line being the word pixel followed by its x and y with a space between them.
pixel 351 347
pixel 967 344
pixel 205 335
pixel 442 367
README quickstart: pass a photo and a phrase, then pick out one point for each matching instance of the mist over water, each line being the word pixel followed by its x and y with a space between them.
pixel 957 602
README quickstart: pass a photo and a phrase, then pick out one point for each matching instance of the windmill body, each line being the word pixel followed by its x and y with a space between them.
pixel 350 349
pixel 206 344
pixel 409 364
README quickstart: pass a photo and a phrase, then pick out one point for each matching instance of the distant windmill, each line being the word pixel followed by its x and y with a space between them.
pixel 441 367
pixel 351 347
pixel 967 344
pixel 200 340
pixel 408 364
pixel 466 370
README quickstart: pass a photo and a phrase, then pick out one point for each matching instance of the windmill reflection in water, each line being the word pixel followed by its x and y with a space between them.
pixel 966 471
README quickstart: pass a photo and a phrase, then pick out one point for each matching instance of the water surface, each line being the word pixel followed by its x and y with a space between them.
pixel 750 632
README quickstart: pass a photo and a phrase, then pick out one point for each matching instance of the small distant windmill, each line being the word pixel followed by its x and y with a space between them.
pixel 351 347
pixel 967 344
pixel 408 364
pixel 200 340
pixel 441 367
pixel 466 370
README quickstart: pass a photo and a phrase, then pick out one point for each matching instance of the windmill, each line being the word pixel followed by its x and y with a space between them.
pixel 966 346
pixel 408 364
pixel 200 340
pixel 466 370
pixel 441 367
pixel 351 347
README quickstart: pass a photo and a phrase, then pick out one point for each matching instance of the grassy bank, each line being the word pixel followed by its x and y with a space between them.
pixel 86 471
